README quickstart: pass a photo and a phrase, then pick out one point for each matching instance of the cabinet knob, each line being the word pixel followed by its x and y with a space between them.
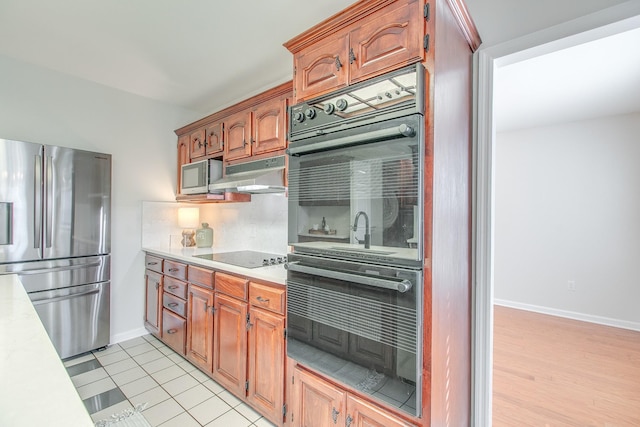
pixel 157 285
pixel 338 63
pixel 171 331
pixel 352 56
pixel 348 420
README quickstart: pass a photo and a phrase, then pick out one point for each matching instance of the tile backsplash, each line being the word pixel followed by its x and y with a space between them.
pixel 259 225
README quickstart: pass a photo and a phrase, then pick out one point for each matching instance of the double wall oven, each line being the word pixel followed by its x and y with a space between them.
pixel 354 274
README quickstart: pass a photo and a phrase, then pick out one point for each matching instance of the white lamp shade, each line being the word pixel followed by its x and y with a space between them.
pixel 188 217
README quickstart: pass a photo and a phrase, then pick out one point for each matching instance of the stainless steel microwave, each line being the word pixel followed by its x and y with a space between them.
pixel 195 177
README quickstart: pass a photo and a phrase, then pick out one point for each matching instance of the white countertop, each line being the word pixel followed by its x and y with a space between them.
pixel 36 389
pixel 273 273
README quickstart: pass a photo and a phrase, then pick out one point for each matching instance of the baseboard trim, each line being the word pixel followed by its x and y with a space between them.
pixel 124 336
pixel 606 321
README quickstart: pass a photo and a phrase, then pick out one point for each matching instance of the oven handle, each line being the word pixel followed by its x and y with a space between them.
pixel 402 130
pixel 400 286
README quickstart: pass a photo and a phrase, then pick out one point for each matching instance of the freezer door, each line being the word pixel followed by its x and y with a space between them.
pixel 76 318
pixel 77 203
pixel 38 276
pixel 21 201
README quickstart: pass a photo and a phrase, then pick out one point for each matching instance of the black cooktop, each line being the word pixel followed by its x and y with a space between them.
pixel 246 259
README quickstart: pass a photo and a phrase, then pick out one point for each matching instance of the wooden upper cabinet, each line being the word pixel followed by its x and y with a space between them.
pixel 322 67
pixel 391 39
pixel 368 39
pixel 183 157
pixel 237 134
pixel 270 126
pixel 214 141
pixel 197 145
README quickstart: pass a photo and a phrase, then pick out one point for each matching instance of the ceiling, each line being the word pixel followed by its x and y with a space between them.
pixel 198 54
pixel 595 79
pixel 204 55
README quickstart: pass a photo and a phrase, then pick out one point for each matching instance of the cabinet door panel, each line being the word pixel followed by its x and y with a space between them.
pixel 214 139
pixel 364 414
pixel 266 364
pixel 237 134
pixel 200 327
pixel 197 143
pixel 391 39
pixel 317 403
pixel 269 126
pixel 322 67
pixel 230 344
pixel 174 329
pixel 153 306
pixel 183 157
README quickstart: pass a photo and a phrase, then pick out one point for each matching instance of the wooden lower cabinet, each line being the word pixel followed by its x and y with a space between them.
pixel 230 344
pixel 174 330
pixel 266 363
pixel 229 327
pixel 153 301
pixel 318 403
pixel 200 327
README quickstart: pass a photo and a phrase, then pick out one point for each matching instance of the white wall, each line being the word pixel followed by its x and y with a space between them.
pixel 259 225
pixel 43 106
pixel 568 208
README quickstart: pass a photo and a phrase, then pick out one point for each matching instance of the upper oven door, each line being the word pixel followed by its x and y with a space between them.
pixel 363 184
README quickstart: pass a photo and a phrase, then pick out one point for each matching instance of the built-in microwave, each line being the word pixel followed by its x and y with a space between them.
pixel 195 177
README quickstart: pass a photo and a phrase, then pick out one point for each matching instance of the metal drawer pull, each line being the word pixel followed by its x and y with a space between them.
pixel 172 304
pixel 172 287
pixel 259 298
pixel 400 285
pixel 334 415
pixel 65 297
pixel 152 263
pixel 174 270
pixel 172 331
pixel 348 420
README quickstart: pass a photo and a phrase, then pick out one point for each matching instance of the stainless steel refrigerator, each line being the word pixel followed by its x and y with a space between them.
pixel 55 227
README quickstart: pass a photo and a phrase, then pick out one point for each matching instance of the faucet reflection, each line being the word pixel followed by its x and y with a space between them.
pixel 367 235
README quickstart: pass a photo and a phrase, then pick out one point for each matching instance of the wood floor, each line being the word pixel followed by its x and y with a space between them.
pixel 552 371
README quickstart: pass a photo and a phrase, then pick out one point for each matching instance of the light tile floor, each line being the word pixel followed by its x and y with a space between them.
pixel 145 371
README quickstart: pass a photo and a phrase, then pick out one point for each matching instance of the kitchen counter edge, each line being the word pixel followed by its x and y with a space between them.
pixel 273 273
pixel 37 389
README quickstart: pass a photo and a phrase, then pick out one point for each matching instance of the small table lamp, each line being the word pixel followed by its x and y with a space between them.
pixel 188 220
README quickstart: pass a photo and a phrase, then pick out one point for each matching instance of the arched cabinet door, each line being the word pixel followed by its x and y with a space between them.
pixel 237 134
pixel 376 48
pixel 321 68
pixel 269 126
pixel 214 138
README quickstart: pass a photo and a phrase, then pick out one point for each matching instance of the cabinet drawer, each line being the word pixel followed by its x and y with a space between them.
pixel 153 263
pixel 174 304
pixel 231 285
pixel 201 276
pixel 268 297
pixel 175 269
pixel 175 287
pixel 174 330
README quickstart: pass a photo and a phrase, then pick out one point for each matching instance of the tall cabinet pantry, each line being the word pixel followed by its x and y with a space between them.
pixel 364 41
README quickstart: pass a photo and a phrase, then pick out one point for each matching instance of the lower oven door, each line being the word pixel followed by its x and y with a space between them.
pixel 359 324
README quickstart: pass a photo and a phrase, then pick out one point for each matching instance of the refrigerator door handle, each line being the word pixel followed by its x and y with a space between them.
pixel 65 297
pixel 50 201
pixel 37 205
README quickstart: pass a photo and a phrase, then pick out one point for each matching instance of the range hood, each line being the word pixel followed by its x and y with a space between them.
pixel 256 177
